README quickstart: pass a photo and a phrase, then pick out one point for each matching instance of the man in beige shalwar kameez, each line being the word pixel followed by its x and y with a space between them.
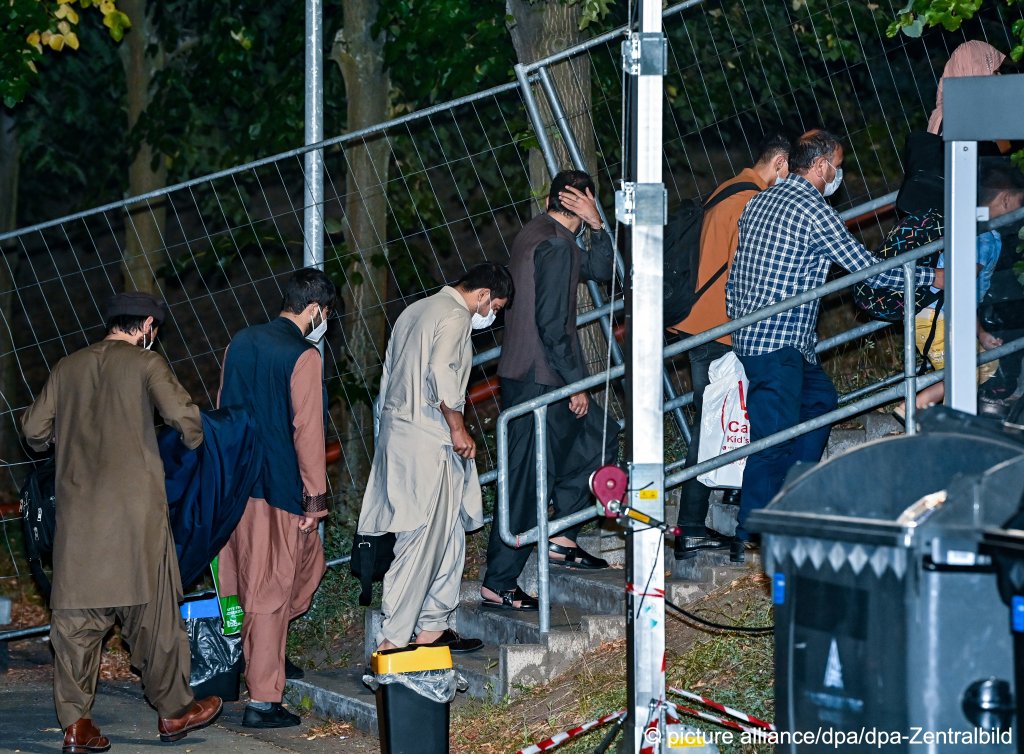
pixel 423 484
pixel 113 557
pixel 274 560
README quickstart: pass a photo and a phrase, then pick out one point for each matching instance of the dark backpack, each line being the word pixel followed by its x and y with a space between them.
pixel 682 255
pixel 371 558
pixel 912 232
pixel 39 516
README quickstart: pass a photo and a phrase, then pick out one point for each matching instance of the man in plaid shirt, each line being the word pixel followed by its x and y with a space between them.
pixel 789 238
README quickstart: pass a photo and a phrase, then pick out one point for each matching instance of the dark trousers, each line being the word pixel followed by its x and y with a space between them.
pixel 784 390
pixel 693 496
pixel 574 453
pixel 159 646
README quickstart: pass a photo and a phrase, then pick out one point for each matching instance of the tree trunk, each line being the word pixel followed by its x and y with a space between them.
pixel 9 156
pixel 541 29
pixel 144 224
pixel 360 57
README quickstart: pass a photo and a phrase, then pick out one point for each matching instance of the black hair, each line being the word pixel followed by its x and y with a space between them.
pixel 997 177
pixel 811 146
pixel 129 324
pixel 771 145
pixel 577 179
pixel 494 277
pixel 309 286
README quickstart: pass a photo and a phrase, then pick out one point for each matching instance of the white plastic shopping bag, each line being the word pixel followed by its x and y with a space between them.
pixel 724 425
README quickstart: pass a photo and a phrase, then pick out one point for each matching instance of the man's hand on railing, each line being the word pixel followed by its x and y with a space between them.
pixel 579 404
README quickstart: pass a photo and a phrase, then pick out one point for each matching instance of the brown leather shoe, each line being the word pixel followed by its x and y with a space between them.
pixel 83 737
pixel 201 713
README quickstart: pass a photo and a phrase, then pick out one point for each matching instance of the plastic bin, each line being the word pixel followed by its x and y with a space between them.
pixel 887 614
pixel 216 659
pixel 410 723
pixel 1005 544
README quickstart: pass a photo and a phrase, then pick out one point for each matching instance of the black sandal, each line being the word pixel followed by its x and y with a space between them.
pixel 509 598
pixel 576 557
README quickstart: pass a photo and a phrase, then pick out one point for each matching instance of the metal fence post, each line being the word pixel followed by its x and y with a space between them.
pixel 961 257
pixel 313 161
pixel 642 204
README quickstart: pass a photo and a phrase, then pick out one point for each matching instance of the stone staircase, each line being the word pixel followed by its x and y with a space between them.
pixel 588 608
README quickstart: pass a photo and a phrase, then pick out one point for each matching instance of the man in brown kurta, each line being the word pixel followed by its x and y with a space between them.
pixel 113 556
pixel 423 484
pixel 274 560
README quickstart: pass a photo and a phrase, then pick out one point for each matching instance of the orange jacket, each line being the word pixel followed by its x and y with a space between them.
pixel 719 237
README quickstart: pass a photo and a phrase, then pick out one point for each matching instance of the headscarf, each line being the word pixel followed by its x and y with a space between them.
pixel 972 58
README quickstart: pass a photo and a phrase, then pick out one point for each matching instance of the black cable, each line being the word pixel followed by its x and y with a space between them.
pixel 610 736
pixel 720 626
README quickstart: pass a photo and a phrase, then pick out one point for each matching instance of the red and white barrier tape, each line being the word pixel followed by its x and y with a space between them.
pixel 632 589
pixel 723 708
pixel 723 721
pixel 561 738
pixel 649 741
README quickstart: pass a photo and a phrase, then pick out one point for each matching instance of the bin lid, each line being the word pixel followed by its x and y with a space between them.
pixel 860 495
pixel 410 659
pixel 203 606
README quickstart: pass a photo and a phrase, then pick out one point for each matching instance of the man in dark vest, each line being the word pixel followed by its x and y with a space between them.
pixel 541 352
pixel 274 560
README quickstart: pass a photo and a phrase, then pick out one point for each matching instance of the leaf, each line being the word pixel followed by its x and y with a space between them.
pixel 914 29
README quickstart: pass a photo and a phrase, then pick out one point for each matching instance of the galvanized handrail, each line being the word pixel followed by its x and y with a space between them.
pixel 538 406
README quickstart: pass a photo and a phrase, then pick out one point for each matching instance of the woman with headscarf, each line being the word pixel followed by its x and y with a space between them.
pixel 973 58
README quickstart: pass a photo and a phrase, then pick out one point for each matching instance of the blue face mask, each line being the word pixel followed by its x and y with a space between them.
pixel 480 321
pixel 317 333
pixel 833 186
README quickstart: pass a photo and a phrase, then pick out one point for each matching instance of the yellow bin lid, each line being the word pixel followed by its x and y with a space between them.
pixel 410 659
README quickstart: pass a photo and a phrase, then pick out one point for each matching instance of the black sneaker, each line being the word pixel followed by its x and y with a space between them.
pixel 275 717
pixel 688 547
pixel 292 671
pixel 731 497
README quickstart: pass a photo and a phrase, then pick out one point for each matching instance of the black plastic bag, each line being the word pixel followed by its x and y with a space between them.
pixel 217 659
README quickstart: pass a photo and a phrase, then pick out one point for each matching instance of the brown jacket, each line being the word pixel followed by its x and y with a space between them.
pixel 719 237
pixel 112 528
pixel 541 344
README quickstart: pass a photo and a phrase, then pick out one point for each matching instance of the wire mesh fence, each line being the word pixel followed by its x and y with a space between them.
pixel 411 203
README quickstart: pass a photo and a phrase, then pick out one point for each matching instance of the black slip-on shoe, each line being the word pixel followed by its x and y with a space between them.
pixel 275 717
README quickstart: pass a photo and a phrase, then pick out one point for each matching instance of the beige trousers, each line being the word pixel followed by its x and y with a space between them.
pixel 421 589
pixel 156 635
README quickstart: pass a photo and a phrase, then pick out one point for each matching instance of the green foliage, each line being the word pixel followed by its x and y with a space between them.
pixel 31 26
pixel 437 50
pixel 919 15
pixel 788 52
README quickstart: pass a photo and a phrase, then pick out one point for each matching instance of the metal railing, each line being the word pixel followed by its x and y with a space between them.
pixel 879 395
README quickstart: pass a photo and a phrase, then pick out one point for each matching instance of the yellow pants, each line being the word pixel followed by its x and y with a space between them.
pixel 937 350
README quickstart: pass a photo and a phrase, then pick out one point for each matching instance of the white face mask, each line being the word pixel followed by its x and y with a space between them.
pixel 317 333
pixel 480 321
pixel 148 344
pixel 833 186
pixel 778 178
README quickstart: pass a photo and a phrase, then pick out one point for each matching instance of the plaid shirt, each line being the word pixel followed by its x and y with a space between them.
pixel 789 238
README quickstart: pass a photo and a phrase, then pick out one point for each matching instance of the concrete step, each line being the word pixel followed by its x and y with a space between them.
pixel 592 592
pixel 338 695
pixel 503 626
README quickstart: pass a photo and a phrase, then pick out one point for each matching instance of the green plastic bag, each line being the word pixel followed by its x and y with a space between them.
pixel 230 610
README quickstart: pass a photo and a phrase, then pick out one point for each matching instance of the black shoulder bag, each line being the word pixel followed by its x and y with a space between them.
pixel 371 558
